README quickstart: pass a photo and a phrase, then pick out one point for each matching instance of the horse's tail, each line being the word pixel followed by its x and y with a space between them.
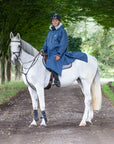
pixel 96 92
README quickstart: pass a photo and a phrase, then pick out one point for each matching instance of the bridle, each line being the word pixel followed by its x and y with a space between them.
pixel 17 52
pixel 34 60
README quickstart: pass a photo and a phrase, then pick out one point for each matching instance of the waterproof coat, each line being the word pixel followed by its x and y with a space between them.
pixel 56 44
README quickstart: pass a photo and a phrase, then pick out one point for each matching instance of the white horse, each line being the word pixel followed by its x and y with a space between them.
pixel 36 75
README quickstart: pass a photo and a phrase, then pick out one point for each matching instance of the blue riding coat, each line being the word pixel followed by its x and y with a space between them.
pixel 56 44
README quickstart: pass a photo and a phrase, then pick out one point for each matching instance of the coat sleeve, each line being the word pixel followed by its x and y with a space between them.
pixel 63 43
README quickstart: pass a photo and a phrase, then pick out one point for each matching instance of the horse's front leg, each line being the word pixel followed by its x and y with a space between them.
pixel 34 99
pixel 40 92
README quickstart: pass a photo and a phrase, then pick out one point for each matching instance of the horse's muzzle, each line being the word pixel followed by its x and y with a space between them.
pixel 14 61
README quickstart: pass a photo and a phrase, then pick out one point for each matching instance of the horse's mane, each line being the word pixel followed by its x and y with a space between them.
pixel 29 48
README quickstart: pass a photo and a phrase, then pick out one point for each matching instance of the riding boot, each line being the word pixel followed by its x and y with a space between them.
pixel 56 79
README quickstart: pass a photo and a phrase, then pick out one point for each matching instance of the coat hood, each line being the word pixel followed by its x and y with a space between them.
pixel 57 27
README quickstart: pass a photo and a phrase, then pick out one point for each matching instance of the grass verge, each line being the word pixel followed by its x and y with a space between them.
pixel 108 90
pixel 10 89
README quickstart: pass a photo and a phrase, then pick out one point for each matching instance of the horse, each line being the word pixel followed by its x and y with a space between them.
pixel 37 77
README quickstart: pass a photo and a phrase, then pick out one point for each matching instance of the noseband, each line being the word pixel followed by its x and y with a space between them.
pixel 18 52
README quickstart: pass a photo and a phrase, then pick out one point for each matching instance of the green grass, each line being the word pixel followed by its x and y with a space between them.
pixel 108 92
pixel 10 89
pixel 112 84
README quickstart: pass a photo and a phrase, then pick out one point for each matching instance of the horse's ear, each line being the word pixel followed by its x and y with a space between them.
pixel 11 35
pixel 18 35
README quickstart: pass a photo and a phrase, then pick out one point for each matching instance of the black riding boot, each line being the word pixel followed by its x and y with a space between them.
pixel 56 79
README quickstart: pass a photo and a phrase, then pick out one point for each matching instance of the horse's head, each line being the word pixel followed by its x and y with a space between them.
pixel 15 47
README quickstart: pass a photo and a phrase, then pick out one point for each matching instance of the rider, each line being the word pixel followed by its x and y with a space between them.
pixel 56 46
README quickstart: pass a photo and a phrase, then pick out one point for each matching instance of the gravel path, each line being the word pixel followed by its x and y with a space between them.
pixel 64 107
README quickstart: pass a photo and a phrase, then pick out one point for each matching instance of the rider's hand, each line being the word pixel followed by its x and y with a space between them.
pixel 57 57
pixel 41 51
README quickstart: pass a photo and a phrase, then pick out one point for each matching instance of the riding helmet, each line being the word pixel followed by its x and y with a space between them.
pixel 56 16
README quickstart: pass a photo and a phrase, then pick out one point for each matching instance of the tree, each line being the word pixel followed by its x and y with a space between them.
pixel 74 43
pixel 31 18
pixel 23 17
pixel 96 41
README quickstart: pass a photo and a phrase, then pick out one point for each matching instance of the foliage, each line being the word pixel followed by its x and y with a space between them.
pixel 112 84
pixel 26 17
pixel 9 90
pixel 97 42
pixel 107 48
pixel 31 18
pixel 108 91
pixel 74 44
pixel 100 10
pixel 106 71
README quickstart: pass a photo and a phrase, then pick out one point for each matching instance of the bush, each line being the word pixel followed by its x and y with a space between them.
pixel 108 90
pixel 74 44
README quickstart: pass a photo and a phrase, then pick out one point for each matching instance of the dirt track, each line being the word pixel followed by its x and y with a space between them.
pixel 64 107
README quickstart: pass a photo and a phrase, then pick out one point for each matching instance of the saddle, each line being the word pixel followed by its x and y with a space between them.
pixel 51 77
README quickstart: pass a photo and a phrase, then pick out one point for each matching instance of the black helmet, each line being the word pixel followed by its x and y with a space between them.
pixel 56 16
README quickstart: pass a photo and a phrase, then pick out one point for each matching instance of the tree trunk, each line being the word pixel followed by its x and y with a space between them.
pixel 2 69
pixel 8 71
pixel 17 71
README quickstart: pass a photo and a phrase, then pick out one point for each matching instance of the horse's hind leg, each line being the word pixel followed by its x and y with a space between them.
pixel 80 83
pixel 34 99
pixel 88 112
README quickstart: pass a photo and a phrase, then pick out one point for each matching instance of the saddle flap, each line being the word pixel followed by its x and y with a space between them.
pixel 64 66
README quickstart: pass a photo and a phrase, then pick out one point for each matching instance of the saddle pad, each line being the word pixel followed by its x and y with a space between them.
pixel 67 66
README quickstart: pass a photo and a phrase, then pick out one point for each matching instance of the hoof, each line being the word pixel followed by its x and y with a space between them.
pixel 32 126
pixel 42 126
pixel 82 124
pixel 88 123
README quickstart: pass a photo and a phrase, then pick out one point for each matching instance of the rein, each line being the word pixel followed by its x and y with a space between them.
pixel 33 63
